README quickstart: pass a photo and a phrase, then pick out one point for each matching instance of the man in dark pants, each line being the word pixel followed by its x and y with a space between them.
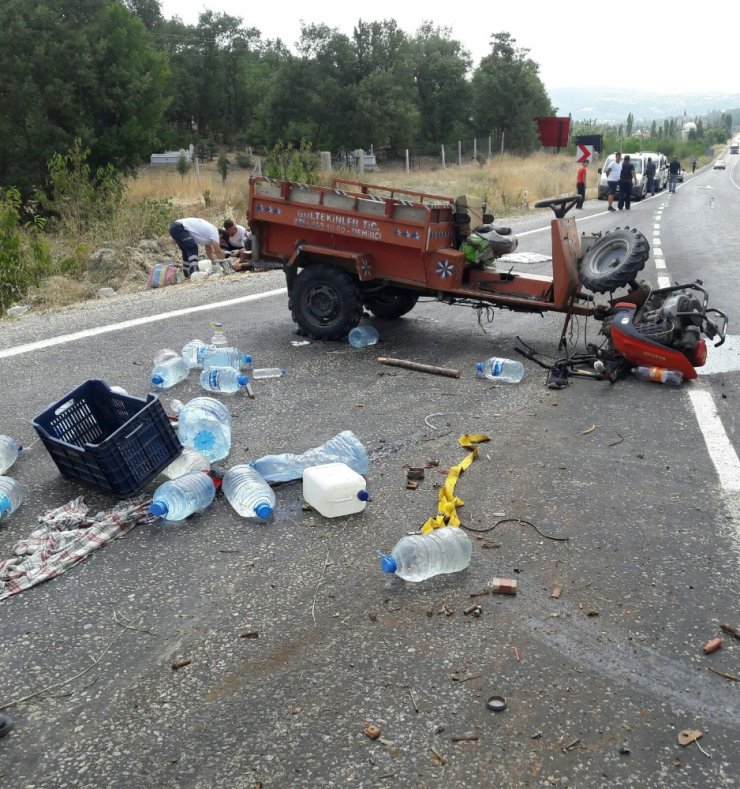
pixel 581 184
pixel 188 233
pixel 626 178
pixel 674 168
pixel 650 173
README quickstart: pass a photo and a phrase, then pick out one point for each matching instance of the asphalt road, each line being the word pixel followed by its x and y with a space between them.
pixel 599 680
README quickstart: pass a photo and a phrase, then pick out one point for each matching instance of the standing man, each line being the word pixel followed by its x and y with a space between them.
pixel 627 177
pixel 612 178
pixel 581 183
pixel 650 173
pixel 188 233
pixel 674 168
pixel 693 165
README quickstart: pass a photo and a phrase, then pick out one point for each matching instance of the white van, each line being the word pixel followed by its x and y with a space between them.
pixel 639 159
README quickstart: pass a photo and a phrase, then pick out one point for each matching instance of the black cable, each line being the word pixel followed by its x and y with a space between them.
pixel 516 520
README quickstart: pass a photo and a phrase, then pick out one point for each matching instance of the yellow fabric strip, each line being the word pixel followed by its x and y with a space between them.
pixel 448 502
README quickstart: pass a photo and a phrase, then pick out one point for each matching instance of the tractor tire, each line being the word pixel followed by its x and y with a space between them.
pixel 325 302
pixel 614 260
pixel 391 302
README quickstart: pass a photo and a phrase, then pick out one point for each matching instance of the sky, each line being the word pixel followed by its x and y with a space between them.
pixel 576 45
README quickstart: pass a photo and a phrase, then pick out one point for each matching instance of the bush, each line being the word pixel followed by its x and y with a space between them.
pixel 294 164
pixel 244 161
pixel 25 258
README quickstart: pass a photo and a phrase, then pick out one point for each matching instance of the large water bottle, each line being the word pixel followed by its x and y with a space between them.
pixel 248 493
pixel 217 356
pixel 164 355
pixel 11 496
pixel 9 451
pixel 363 336
pixel 222 379
pixel 188 460
pixel 420 556
pixel 191 352
pixel 345 447
pixel 508 371
pixel 176 499
pixel 205 425
pixel 169 372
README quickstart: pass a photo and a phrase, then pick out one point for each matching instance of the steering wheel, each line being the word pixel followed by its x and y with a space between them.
pixel 560 205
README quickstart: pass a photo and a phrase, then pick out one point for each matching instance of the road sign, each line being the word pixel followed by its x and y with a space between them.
pixel 584 152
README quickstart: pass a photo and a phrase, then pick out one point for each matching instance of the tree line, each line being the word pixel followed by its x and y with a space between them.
pixel 126 82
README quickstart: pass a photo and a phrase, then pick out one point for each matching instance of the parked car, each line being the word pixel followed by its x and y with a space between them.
pixel 639 188
pixel 719 164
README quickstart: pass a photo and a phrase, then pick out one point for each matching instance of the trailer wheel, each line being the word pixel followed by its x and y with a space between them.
pixel 325 302
pixel 614 260
pixel 391 302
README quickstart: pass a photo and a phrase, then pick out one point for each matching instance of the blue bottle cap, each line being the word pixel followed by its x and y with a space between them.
pixel 263 510
pixel 246 359
pixel 387 563
pixel 242 380
pixel 4 505
pixel 157 380
pixel 158 508
pixel 363 495
pixel 479 367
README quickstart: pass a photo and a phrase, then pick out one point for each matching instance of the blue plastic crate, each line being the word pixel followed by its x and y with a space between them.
pixel 116 442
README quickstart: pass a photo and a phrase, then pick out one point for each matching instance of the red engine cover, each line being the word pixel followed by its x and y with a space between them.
pixel 640 350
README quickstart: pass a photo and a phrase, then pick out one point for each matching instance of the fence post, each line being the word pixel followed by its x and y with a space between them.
pixel 489 147
pixel 407 160
pixel 459 153
pixel 444 165
pixel 475 148
pixel 502 142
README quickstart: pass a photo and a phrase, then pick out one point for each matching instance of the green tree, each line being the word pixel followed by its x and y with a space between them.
pixel 183 165
pixel 630 124
pixel 223 167
pixel 441 66
pixel 84 69
pixel 508 94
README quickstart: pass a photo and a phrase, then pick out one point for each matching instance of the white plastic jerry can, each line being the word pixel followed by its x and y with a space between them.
pixel 334 489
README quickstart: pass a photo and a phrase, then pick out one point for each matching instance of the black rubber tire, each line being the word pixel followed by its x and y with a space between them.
pixel 391 302
pixel 325 302
pixel 614 260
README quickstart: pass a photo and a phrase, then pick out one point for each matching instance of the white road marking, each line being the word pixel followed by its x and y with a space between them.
pixel 720 448
pixel 659 263
pixel 162 316
pixel 664 282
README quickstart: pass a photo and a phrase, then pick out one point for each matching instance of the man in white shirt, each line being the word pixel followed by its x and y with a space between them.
pixel 188 233
pixel 237 240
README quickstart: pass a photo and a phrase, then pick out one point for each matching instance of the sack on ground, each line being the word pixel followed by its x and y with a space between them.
pixel 162 274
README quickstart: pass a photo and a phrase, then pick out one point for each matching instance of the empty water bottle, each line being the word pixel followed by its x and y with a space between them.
pixel 417 557
pixel 219 334
pixel 205 425
pixel 363 336
pixel 659 374
pixel 191 353
pixel 11 496
pixel 497 369
pixel 188 460
pixel 248 493
pixel 176 499
pixel 345 447
pixel 9 451
pixel 170 372
pixel 260 373
pixel 164 355
pixel 222 379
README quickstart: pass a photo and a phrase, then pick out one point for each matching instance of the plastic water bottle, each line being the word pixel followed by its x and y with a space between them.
pixel 363 336
pixel 219 335
pixel 248 493
pixel 190 353
pixel 260 373
pixel 222 379
pixel 178 498
pixel 204 424
pixel 420 556
pixel 508 371
pixel 188 460
pixel 169 372
pixel 9 451
pixel 164 355
pixel 659 374
pixel 11 496
pixel 345 447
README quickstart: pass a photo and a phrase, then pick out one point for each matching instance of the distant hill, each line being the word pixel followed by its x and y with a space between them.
pixel 613 105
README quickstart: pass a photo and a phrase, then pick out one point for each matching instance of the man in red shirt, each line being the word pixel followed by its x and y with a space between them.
pixel 581 184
